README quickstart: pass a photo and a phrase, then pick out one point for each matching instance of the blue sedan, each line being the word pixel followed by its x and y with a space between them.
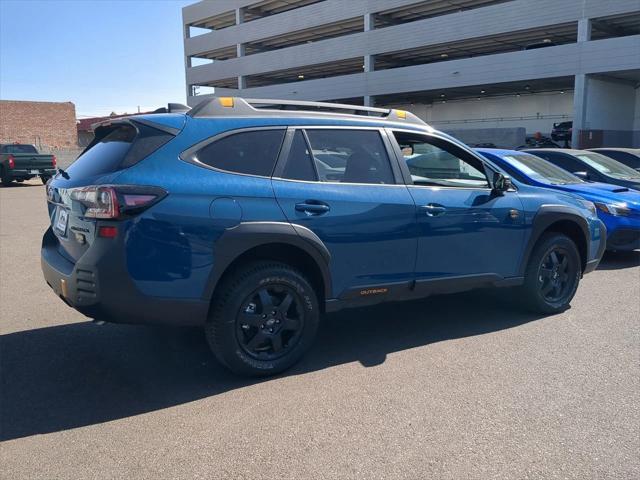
pixel 618 207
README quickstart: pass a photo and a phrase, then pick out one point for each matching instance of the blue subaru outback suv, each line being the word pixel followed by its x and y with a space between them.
pixel 253 217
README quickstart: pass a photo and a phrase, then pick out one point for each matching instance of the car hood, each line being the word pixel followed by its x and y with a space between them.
pixel 604 192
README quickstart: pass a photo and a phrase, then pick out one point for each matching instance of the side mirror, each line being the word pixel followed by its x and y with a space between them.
pixel 582 175
pixel 501 183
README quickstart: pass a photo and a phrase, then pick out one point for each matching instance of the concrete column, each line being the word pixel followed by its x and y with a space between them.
pixel 187 58
pixel 584 30
pixel 368 65
pixel 368 22
pixel 579 108
pixel 240 51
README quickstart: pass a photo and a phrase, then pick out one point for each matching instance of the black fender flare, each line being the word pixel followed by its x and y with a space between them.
pixel 247 235
pixel 546 216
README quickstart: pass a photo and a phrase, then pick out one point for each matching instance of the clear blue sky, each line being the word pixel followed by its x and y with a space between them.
pixel 102 55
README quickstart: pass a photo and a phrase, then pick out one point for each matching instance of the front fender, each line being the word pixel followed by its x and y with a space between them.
pixel 546 216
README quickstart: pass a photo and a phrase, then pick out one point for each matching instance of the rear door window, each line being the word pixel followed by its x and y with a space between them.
pixel 250 153
pixel 350 156
pixel 299 162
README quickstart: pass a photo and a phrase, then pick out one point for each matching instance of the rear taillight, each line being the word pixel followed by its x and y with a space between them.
pixel 12 162
pixel 116 201
pixel 54 161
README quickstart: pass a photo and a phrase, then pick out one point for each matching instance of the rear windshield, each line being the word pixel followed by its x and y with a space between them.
pixel 19 149
pixel 116 147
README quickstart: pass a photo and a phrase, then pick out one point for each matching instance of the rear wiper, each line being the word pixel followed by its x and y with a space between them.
pixel 64 174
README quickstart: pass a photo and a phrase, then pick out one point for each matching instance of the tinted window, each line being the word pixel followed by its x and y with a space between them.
pixel 350 156
pixel 299 164
pixel 433 161
pixel 252 153
pixel 567 163
pixel 629 159
pixel 607 166
pixel 19 149
pixel 104 155
pixel 117 146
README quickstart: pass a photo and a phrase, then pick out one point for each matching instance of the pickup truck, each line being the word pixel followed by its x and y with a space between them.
pixel 21 162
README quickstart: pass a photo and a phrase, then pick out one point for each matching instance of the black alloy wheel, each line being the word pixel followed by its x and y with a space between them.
pixel 270 322
pixel 555 275
pixel 552 275
pixel 263 318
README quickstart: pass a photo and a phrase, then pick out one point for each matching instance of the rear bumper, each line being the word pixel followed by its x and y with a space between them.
pixel 26 173
pixel 99 287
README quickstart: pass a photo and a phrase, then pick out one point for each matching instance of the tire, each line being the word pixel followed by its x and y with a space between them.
pixel 5 179
pixel 552 275
pixel 251 331
pixel 45 179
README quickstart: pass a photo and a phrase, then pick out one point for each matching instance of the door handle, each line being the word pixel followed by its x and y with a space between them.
pixel 312 208
pixel 433 209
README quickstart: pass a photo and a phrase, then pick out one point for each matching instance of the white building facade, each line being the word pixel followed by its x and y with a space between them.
pixel 477 68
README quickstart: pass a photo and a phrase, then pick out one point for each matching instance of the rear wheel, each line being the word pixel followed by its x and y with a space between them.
pixel 263 319
pixel 5 179
pixel 552 275
pixel 45 178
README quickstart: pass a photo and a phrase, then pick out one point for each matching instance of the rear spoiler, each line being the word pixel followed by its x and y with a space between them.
pixel 173 108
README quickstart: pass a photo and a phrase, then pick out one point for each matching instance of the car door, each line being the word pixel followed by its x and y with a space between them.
pixel 340 183
pixel 465 229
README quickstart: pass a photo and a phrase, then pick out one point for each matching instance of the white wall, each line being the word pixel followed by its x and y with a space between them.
pixel 610 105
pixel 534 112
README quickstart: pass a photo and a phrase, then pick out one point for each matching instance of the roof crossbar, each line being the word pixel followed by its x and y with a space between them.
pixel 237 106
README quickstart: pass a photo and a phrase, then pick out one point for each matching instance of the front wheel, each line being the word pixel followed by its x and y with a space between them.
pixel 552 275
pixel 263 319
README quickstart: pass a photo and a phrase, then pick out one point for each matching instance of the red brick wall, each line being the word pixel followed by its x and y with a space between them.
pixel 51 124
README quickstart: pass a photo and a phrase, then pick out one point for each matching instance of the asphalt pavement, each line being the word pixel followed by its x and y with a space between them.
pixel 462 386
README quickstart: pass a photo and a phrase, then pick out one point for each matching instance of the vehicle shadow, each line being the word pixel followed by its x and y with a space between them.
pixel 69 376
pixel 619 260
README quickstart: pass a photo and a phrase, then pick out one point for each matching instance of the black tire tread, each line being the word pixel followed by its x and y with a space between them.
pixel 528 292
pixel 224 294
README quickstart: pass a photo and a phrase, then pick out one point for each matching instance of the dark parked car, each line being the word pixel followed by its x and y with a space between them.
pixel 254 221
pixel 629 156
pixel 591 166
pixel 21 162
pixel 561 132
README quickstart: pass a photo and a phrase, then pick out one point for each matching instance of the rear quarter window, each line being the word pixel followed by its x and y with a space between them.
pixel 250 153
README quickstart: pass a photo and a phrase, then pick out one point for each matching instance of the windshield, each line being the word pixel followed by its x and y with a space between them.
pixel 608 166
pixel 19 149
pixel 541 170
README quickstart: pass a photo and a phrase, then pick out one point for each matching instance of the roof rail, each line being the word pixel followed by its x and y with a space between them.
pixel 237 106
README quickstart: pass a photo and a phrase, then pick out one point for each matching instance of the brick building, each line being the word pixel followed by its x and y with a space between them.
pixel 44 124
